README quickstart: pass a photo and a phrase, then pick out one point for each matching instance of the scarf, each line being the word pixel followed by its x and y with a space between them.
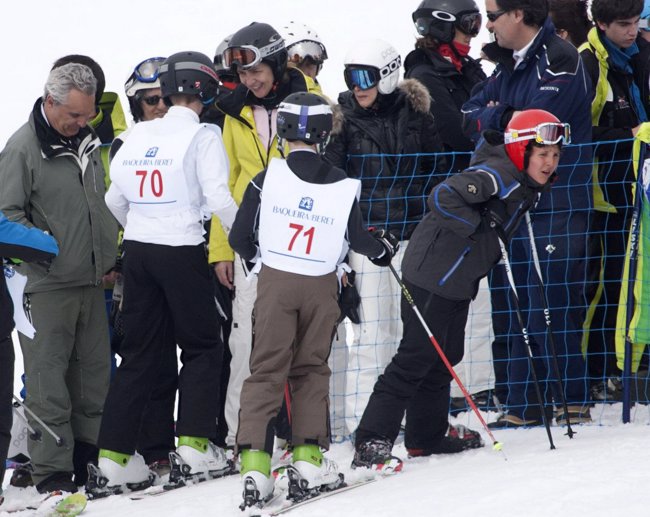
pixel 622 59
pixel 455 53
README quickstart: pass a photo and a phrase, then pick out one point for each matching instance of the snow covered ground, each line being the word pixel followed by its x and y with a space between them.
pixel 602 472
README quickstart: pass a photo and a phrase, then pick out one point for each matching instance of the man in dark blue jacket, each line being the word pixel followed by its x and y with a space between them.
pixel 29 244
pixel 537 69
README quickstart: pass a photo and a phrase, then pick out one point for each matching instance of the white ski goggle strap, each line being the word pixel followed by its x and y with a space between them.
pixel 548 133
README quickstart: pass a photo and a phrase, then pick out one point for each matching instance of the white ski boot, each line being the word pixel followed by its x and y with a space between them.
pixel 197 459
pixel 311 473
pixel 116 472
pixel 257 481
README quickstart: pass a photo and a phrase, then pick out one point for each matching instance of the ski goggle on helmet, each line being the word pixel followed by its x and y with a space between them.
pixel 366 77
pixel 547 133
pixel 469 23
pixel 246 57
pixel 311 50
pixel 145 72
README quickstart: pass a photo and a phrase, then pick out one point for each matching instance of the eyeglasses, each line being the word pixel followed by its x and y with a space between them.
pixel 548 133
pixel 308 49
pixel 493 16
pixel 148 70
pixel 248 56
pixel 152 100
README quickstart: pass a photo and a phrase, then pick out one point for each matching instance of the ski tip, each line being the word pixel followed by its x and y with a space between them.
pixel 70 506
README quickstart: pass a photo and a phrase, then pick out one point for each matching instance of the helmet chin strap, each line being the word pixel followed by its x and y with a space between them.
pixel 281 147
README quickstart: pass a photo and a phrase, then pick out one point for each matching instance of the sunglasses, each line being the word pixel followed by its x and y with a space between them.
pixel 494 15
pixel 152 100
pixel 548 133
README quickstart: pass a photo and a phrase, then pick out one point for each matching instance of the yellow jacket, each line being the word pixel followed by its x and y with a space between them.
pixel 248 156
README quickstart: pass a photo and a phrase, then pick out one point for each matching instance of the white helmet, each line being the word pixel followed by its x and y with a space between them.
pixel 381 58
pixel 144 76
pixel 301 39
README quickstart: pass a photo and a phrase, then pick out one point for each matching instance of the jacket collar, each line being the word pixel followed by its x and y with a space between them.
pixel 53 144
pixel 504 56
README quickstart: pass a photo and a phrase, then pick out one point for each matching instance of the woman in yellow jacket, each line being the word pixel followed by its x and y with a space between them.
pixel 257 54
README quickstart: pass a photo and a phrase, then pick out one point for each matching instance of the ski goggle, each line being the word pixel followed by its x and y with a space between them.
pixel 548 133
pixel 309 49
pixel 248 56
pixel 365 77
pixel 149 70
pixel 469 23
pixel 362 77
pixel 152 100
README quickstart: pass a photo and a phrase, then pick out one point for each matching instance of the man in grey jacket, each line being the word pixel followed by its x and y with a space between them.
pixel 51 177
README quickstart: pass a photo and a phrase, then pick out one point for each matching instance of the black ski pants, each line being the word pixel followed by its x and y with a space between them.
pixel 164 284
pixel 416 381
pixel 6 399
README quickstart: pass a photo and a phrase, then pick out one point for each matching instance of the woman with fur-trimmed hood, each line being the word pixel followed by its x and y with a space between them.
pixel 380 131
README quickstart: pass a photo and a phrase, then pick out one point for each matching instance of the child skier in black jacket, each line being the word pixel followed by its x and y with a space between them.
pixel 451 250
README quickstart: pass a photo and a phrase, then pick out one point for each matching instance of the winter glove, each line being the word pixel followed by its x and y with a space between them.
pixel 349 300
pixel 390 244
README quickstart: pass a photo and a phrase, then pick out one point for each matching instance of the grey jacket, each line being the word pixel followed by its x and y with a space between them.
pixel 57 185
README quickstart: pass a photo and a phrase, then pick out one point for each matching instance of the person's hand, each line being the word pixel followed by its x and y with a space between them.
pixel 224 272
pixel 110 277
pixel 390 244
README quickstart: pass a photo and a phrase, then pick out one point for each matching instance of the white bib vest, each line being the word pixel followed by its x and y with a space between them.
pixel 302 225
pixel 148 170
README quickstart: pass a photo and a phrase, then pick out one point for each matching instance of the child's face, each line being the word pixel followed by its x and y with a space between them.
pixel 542 162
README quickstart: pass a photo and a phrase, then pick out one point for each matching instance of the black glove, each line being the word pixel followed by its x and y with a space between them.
pixel 349 300
pixel 390 244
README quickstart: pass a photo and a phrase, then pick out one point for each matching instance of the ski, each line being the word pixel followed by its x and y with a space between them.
pixel 70 506
pixel 271 509
pixel 158 490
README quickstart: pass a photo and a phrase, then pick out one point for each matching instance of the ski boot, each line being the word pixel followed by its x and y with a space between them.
pixel 311 473
pixel 257 481
pixel 376 454
pixel 116 473
pixel 196 460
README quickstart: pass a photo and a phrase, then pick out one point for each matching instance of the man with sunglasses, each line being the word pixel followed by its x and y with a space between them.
pixel 616 59
pixel 538 69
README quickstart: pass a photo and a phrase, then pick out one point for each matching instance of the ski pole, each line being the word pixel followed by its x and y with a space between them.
pixel 496 445
pixel 524 333
pixel 33 434
pixel 58 440
pixel 547 319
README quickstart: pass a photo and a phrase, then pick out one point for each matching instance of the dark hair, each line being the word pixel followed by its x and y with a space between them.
pixel 571 16
pixel 427 42
pixel 535 11
pixel 90 63
pixel 606 11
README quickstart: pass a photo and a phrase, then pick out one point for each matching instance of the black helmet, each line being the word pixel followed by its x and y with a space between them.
pixel 191 73
pixel 257 42
pixel 439 18
pixel 306 117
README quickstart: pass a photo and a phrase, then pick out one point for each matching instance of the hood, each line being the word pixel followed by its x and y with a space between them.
pixel 409 91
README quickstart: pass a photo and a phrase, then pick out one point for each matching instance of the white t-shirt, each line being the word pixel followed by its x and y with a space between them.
pixel 168 177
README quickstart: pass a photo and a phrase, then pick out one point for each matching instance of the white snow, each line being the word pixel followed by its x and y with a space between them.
pixel 603 471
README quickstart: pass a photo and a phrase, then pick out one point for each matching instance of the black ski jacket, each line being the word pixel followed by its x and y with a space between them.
pixel 394 183
pixel 449 90
pixel 455 245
